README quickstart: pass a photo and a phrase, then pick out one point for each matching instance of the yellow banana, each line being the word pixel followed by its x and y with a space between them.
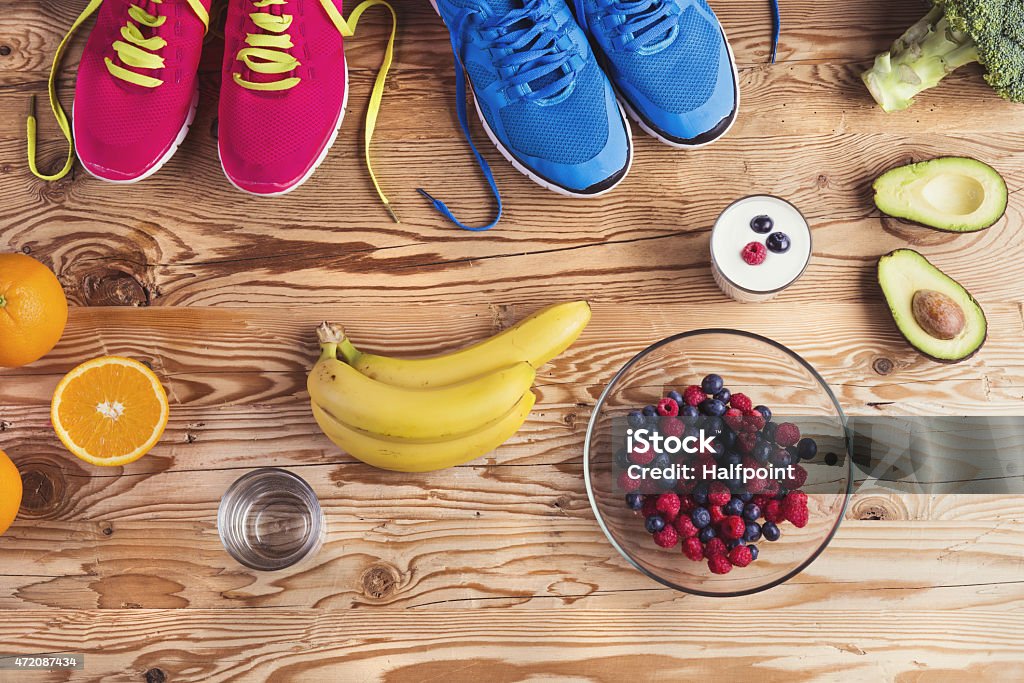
pixel 397 412
pixel 535 340
pixel 423 456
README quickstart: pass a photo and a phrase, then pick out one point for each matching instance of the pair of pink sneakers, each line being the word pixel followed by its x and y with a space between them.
pixel 282 98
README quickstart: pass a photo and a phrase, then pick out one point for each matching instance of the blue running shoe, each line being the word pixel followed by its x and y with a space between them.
pixel 670 63
pixel 540 93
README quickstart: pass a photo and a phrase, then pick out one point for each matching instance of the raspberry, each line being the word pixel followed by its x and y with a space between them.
pixel 667 537
pixel 787 434
pixel 740 556
pixel 754 253
pixel 687 504
pixel 798 517
pixel 760 501
pixel 642 456
pixel 772 488
pixel 772 511
pixel 798 479
pixel 796 498
pixel 693 395
pixel 753 420
pixel 628 483
pixel 718 493
pixel 673 426
pixel 733 527
pixel 685 527
pixel 650 506
pixel 668 408
pixel 734 418
pixel 693 548
pixel 741 402
pixel 720 564
pixel 757 485
pixel 745 442
pixel 714 547
pixel 668 505
pixel 716 514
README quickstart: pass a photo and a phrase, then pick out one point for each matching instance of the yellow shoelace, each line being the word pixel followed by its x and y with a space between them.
pixel 267 53
pixel 134 50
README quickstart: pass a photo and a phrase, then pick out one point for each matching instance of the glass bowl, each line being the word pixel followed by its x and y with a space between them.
pixel 770 374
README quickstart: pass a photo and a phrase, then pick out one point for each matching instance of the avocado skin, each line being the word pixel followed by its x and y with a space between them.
pixel 969 160
pixel 970 299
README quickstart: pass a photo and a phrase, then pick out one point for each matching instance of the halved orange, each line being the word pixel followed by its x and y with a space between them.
pixel 110 411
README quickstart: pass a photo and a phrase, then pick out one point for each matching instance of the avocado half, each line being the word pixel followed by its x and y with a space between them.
pixel 954 194
pixel 932 310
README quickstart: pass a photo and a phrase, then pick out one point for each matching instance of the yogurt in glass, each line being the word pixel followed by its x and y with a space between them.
pixel 735 229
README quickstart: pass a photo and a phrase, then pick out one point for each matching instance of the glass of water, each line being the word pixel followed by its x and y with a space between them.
pixel 270 519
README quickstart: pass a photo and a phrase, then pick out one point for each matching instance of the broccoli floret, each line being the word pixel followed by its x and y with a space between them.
pixel 953 33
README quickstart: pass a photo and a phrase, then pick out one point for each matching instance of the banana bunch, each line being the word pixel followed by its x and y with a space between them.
pixel 423 414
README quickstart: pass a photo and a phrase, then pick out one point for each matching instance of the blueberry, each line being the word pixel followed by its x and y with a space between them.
pixel 700 517
pixel 746 496
pixel 769 431
pixel 732 544
pixel 762 225
pixel 762 451
pixel 667 483
pixel 752 532
pixel 753 551
pixel 634 501
pixel 712 407
pixel 735 485
pixel 661 461
pixel 782 458
pixel 733 507
pixel 751 512
pixel 653 421
pixel 807 448
pixel 765 412
pixel 778 242
pixel 727 439
pixel 706 534
pixel 712 426
pixel 771 531
pixel 724 395
pixel 831 459
pixel 676 396
pixel 700 494
pixel 717 448
pixel 635 419
pixel 689 414
pixel 622 459
pixel 654 523
pixel 732 459
pixel 711 384
pixel 650 410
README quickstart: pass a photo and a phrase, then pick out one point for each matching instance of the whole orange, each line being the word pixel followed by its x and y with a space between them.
pixel 33 310
pixel 10 492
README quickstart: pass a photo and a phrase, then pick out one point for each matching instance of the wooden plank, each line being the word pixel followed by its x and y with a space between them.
pixel 471 645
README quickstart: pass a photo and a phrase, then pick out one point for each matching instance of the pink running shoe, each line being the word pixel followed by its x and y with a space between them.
pixel 136 94
pixel 283 94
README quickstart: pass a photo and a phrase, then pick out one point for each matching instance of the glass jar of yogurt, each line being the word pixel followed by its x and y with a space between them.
pixel 783 255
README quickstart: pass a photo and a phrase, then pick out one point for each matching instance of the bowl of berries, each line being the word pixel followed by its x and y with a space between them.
pixel 718 462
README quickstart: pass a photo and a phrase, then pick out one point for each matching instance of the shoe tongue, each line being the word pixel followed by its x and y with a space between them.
pixel 502 7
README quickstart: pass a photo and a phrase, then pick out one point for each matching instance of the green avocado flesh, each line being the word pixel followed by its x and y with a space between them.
pixel 955 194
pixel 904 274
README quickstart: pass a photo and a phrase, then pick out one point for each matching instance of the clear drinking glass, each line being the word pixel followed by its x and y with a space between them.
pixel 270 519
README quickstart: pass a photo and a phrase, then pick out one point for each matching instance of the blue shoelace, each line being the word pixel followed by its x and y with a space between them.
pixel 540 69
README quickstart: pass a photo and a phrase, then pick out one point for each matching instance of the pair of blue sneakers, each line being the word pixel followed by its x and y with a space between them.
pixel 552 85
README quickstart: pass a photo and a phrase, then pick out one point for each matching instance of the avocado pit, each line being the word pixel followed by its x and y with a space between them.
pixel 938 314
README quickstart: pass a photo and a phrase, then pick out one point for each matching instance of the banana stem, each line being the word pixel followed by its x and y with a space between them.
pixel 329 335
pixel 349 352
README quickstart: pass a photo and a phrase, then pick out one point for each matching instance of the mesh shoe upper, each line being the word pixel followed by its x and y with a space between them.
pixel 540 90
pixel 271 140
pixel 122 130
pixel 668 59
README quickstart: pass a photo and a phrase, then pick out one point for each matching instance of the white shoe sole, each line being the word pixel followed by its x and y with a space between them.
pixel 182 134
pixel 323 154
pixel 516 164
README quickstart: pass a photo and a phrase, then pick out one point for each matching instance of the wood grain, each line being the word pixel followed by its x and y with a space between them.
pixel 495 570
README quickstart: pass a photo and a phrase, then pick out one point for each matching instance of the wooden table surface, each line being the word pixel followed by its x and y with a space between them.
pixel 496 570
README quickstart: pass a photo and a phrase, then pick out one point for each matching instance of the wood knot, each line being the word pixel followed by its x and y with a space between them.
pixel 878 508
pixel 107 529
pixel 5 50
pixel 380 581
pixel 156 676
pixel 114 288
pixel 570 420
pixel 883 366
pixel 823 181
pixel 502 316
pixel 26 249
pixel 46 489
